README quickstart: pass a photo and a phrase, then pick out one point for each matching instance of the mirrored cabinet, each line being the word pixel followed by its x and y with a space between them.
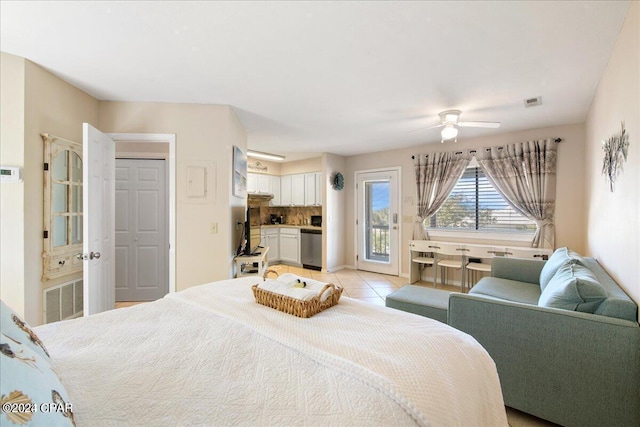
pixel 62 233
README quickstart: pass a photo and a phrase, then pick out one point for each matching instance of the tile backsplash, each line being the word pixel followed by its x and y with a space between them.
pixel 293 215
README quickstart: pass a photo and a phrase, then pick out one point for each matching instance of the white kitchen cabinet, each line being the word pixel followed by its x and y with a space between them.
pixel 297 190
pixel 272 236
pixel 264 184
pixel 285 190
pixel 309 189
pixel 313 189
pixel 275 190
pixel 290 245
pixel 318 188
pixel 260 183
pixel 292 190
pixel 252 183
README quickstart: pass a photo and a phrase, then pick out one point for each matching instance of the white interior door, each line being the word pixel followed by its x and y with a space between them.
pixel 98 229
pixel 378 230
pixel 142 236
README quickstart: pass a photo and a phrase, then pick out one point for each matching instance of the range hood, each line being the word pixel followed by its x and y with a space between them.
pixel 254 199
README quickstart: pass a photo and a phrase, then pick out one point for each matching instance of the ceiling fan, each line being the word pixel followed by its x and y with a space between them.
pixel 450 121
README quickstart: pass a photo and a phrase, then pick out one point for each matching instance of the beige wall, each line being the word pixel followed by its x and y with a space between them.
pixel 52 106
pixel 12 262
pixel 613 219
pixel 569 189
pixel 301 166
pixel 203 133
pixel 333 208
pixel 273 168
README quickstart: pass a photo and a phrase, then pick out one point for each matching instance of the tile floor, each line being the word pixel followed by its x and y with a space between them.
pixel 362 285
pixel 373 288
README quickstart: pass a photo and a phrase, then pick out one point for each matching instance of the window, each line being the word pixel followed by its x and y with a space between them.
pixel 474 204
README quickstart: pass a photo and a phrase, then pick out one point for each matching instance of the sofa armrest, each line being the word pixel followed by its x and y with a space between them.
pixel 520 269
pixel 566 367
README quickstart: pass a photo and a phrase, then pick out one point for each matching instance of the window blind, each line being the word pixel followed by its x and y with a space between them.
pixel 474 204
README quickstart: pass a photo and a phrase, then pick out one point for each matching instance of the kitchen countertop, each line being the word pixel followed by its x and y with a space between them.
pixel 310 227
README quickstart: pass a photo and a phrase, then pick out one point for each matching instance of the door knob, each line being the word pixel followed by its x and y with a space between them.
pixel 86 257
pixel 80 256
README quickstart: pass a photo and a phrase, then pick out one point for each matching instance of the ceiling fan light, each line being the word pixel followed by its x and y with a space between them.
pixel 451 117
pixel 449 132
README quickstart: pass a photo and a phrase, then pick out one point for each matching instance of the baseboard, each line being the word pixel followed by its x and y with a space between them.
pixel 337 268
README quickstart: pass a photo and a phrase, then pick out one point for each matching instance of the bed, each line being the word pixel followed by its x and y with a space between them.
pixel 210 355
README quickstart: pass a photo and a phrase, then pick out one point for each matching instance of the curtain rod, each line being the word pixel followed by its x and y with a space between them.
pixel 556 140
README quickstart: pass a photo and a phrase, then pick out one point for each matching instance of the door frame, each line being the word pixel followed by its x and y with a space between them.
pixel 159 138
pixel 398 170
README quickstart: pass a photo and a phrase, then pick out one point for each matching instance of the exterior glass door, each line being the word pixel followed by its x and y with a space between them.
pixel 378 228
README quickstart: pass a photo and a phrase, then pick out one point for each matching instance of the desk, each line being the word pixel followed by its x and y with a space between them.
pixel 252 265
pixel 418 248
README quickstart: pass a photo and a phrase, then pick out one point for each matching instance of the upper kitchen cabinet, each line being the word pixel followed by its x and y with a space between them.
pixel 302 189
pixel 258 183
pixel 285 190
pixel 313 189
pixel 265 184
pixel 276 191
pixel 297 190
pixel 252 183
pixel 292 190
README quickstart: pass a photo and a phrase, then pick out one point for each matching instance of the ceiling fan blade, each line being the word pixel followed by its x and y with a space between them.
pixel 479 124
pixel 429 127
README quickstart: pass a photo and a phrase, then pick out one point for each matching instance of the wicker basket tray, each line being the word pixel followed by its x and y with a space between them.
pixel 294 306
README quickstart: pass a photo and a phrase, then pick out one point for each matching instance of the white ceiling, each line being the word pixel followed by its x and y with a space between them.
pixel 340 77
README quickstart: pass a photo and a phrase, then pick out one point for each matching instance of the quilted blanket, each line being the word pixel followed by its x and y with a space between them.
pixel 210 355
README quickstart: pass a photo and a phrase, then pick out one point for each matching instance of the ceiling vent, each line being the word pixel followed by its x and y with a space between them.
pixel 533 102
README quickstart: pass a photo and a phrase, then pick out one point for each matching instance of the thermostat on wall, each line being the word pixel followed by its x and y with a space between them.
pixel 11 174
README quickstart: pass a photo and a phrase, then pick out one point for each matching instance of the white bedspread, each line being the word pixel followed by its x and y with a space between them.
pixel 210 355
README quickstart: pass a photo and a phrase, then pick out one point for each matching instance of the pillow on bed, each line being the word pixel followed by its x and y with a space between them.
pixel 13 327
pixel 573 287
pixel 29 385
pixel 32 390
pixel 560 257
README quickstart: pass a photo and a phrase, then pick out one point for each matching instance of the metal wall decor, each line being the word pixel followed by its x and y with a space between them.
pixel 615 153
pixel 337 181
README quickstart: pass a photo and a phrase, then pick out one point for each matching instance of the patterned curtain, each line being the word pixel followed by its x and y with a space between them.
pixel 436 175
pixel 525 175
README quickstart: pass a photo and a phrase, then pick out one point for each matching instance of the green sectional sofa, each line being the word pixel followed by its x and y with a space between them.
pixel 564 337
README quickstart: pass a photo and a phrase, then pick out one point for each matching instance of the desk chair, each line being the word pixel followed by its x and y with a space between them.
pixel 425 261
pixel 473 269
pixel 457 263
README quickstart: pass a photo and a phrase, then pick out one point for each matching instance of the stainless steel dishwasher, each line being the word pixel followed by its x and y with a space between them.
pixel 311 248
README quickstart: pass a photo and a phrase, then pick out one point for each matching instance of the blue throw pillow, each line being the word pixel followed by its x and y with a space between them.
pixel 560 257
pixel 573 287
pixel 14 328
pixel 30 391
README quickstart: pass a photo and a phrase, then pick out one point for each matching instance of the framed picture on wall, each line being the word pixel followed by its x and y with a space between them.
pixel 239 173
